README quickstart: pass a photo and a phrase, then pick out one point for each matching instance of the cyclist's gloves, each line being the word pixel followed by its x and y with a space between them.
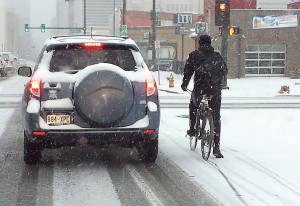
pixel 183 87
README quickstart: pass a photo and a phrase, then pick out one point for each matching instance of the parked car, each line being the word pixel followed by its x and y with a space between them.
pixel 12 63
pixel 2 67
pixel 91 89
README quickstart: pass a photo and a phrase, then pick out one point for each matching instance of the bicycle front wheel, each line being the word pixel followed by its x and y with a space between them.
pixel 207 136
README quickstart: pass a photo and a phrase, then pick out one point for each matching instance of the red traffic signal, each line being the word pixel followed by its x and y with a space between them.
pixel 222 7
pixel 222 12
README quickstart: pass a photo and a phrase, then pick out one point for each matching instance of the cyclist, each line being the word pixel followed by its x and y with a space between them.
pixel 196 58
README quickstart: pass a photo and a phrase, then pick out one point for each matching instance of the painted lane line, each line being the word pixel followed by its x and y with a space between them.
pixel 150 195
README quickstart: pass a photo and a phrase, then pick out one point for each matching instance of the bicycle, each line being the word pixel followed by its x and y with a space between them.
pixel 204 128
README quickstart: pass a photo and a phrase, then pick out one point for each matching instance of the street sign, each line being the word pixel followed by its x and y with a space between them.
pixel 185 32
pixel 200 27
pixel 183 18
pixel 124 30
pixel 157 44
pixel 177 30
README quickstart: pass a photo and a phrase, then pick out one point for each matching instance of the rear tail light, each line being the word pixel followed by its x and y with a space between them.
pixel 39 133
pixel 35 88
pixel 150 87
pixel 149 131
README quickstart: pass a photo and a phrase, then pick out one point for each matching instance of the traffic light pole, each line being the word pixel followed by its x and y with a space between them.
pixel 35 27
pixel 222 18
pixel 224 51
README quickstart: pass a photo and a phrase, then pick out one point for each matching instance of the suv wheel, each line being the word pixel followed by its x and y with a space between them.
pixel 32 152
pixel 148 151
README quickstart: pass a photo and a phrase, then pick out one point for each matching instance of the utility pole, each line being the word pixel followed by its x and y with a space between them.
pixel 154 36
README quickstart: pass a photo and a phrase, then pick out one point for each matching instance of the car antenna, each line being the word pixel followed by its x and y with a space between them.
pixel 91 32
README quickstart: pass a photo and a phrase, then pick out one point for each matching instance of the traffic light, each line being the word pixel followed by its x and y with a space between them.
pixel 222 12
pixel 233 30
pixel 152 15
pixel 26 27
pixel 150 38
pixel 43 28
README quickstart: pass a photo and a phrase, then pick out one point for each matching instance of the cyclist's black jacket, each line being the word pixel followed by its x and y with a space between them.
pixel 196 58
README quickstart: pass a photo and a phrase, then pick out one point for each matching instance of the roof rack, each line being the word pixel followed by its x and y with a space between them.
pixel 88 35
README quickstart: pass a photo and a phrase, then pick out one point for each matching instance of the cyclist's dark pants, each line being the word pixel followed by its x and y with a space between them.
pixel 215 105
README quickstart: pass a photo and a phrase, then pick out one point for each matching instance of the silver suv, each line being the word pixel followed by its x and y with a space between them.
pixel 91 89
pixel 8 63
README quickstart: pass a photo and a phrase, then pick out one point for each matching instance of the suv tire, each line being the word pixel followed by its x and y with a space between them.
pixel 148 151
pixel 32 152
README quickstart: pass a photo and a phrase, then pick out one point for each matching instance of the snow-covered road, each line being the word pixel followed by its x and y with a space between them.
pixel 260 165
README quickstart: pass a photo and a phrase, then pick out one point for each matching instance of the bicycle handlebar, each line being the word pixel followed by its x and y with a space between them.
pixel 205 96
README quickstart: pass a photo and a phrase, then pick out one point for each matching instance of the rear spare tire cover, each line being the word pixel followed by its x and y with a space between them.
pixel 103 97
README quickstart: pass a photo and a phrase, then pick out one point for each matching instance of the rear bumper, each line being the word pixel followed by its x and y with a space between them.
pixel 55 139
pixel 7 70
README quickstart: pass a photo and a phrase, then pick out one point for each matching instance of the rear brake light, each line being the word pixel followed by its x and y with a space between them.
pixel 149 131
pixel 37 133
pixel 35 88
pixel 150 87
pixel 92 44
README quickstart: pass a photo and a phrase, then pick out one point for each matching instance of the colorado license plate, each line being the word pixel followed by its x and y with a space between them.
pixel 58 119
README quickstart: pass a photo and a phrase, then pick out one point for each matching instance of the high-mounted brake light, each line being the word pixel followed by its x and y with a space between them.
pixel 35 88
pixel 150 87
pixel 92 44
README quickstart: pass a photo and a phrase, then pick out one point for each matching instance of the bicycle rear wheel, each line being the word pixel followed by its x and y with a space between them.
pixel 207 136
pixel 194 139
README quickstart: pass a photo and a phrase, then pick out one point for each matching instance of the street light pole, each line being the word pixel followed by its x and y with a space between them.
pixel 154 36
pixel 84 16
pixel 114 24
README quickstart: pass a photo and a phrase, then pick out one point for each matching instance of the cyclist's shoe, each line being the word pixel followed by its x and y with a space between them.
pixel 217 153
pixel 191 132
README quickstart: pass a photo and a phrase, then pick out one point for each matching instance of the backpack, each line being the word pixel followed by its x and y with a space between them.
pixel 212 71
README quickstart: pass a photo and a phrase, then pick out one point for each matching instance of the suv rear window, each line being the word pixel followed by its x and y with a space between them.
pixel 5 57
pixel 77 57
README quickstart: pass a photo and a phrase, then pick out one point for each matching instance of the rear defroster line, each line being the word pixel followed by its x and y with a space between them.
pixel 239 196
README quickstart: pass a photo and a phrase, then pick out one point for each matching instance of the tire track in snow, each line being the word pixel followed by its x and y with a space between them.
pixel 268 172
pixel 239 196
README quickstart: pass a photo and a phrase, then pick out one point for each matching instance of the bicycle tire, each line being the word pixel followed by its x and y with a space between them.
pixel 194 139
pixel 207 136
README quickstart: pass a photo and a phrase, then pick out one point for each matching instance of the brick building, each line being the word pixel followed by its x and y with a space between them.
pixel 268 44
pixel 294 5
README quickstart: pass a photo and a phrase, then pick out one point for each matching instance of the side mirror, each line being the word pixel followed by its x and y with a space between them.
pixel 25 71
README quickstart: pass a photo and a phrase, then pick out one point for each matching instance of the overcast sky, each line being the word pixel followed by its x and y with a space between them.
pixel 42 11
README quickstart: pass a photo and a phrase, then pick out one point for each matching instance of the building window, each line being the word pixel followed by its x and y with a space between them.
pixel 265 60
